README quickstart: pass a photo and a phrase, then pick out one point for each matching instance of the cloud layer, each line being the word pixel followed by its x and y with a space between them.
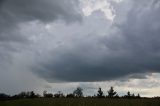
pixel 108 51
pixel 55 41
pixel 20 11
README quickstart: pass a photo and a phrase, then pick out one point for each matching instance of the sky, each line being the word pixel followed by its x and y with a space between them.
pixel 58 45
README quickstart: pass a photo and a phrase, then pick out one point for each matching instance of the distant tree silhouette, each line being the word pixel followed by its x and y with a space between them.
pixel 47 95
pixel 133 95
pixel 22 95
pixel 59 94
pixel 138 96
pixel 71 95
pixel 29 94
pixel 44 93
pixel 117 96
pixel 32 94
pixel 4 96
pixel 111 92
pixel 128 94
pixel 78 92
pixel 100 93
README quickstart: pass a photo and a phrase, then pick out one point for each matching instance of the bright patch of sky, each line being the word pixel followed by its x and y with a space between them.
pixel 90 6
pixel 145 87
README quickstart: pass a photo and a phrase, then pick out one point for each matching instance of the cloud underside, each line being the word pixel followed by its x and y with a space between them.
pixel 20 11
pixel 55 41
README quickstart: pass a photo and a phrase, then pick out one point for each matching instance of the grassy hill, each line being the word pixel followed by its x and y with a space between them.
pixel 81 102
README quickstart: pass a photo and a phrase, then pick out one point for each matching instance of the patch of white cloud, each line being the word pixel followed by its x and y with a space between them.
pixel 89 6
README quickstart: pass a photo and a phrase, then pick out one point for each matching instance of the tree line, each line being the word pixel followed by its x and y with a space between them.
pixel 77 93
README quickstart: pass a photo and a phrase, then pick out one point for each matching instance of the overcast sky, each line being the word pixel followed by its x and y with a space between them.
pixel 61 44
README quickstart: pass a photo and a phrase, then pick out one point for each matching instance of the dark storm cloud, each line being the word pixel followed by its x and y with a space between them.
pixel 134 48
pixel 15 41
pixel 48 10
pixel 86 51
pixel 14 12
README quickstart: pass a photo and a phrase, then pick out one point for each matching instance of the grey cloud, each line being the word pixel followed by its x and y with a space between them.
pixel 94 50
pixel 47 10
pixel 17 12
pixel 15 43
pixel 131 48
pixel 20 11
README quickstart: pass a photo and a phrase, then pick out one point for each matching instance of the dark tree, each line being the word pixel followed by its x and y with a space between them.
pixel 111 92
pixel 44 93
pixel 22 95
pixel 4 96
pixel 29 94
pixel 138 96
pixel 78 92
pixel 70 95
pixel 47 95
pixel 32 94
pixel 100 93
pixel 117 96
pixel 128 94
pixel 59 94
pixel 133 96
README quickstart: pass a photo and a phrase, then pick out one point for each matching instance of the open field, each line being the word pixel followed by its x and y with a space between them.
pixel 81 102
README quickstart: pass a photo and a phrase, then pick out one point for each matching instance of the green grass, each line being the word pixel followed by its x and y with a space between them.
pixel 81 102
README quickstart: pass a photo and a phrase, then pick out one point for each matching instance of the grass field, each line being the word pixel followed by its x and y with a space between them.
pixel 81 102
